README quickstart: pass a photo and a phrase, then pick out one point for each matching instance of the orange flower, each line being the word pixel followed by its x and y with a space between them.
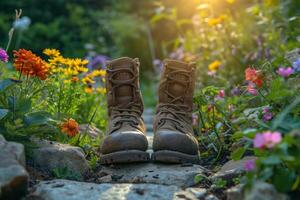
pixel 253 76
pixel 30 64
pixel 70 127
pixel 75 79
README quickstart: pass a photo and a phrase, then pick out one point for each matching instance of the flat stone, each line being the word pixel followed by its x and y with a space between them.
pixel 264 191
pixel 52 155
pixel 235 193
pixel 72 190
pixel 13 176
pixel 156 174
pixel 232 169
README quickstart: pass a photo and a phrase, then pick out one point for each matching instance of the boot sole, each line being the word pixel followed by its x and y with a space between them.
pixel 128 156
pixel 167 156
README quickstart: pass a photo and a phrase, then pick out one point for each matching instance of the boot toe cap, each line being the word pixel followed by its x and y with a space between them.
pixel 122 141
pixel 175 141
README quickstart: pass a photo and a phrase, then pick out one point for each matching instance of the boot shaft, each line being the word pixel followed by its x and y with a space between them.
pixel 122 85
pixel 177 84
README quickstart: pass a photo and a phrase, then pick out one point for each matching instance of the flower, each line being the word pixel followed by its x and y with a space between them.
pixel 216 21
pixel 251 89
pixel 51 52
pixel 214 66
pixel 101 90
pixel 70 127
pixel 267 115
pixel 221 93
pixel 253 76
pixel 296 65
pixel 249 165
pixel 89 90
pixel 30 64
pixel 285 72
pixel 3 55
pixel 267 139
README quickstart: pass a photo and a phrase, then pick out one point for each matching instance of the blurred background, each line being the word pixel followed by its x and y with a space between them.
pixel 222 36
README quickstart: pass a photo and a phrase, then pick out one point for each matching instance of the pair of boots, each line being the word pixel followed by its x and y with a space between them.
pixel 174 141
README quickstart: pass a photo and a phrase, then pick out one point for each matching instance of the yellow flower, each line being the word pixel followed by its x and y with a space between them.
pixel 230 1
pixel 88 80
pixel 89 90
pixel 98 72
pixel 67 81
pixel 216 21
pixel 214 66
pixel 101 90
pixel 51 52
pixel 56 60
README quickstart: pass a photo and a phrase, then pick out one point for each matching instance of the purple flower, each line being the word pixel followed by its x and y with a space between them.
pixel 97 62
pixel 236 91
pixel 158 65
pixel 267 115
pixel 249 165
pixel 296 65
pixel 285 72
pixel 267 139
pixel 3 55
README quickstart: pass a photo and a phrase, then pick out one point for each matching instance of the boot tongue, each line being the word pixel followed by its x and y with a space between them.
pixel 178 81
pixel 124 92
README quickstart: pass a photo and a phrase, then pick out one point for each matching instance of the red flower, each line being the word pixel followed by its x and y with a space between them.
pixel 253 76
pixel 30 64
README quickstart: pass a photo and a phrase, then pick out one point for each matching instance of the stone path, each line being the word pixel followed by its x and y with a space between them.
pixel 131 181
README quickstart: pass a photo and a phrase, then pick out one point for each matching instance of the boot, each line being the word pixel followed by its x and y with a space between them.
pixel 174 140
pixel 125 141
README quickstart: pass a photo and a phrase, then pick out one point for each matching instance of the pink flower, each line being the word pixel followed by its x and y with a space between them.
pixel 285 72
pixel 251 90
pixel 220 95
pixel 249 165
pixel 3 55
pixel 267 139
pixel 211 73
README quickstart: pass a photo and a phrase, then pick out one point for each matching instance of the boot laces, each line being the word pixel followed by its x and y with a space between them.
pixel 127 112
pixel 174 111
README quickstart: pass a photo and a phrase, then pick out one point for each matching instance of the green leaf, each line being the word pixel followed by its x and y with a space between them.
pixel 271 160
pixel 3 113
pixel 238 153
pixel 4 84
pixel 283 179
pixel 37 118
pixel 280 117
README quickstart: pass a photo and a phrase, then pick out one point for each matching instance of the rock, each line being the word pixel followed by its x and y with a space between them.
pixel 235 193
pixel 105 179
pixel 198 192
pixel 52 155
pixel 72 190
pixel 13 176
pixel 264 191
pixel 156 173
pixel 211 197
pixel 91 130
pixel 232 169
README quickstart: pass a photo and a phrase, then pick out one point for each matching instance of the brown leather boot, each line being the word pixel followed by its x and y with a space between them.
pixel 174 140
pixel 126 140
